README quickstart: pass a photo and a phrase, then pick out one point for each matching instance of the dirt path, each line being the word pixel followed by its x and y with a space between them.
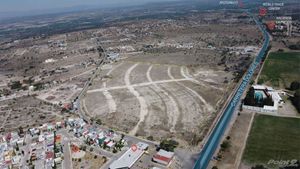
pixel 185 73
pixel 86 72
pixel 136 85
pixel 207 106
pixel 141 99
pixel 240 153
pixel 172 106
pixel 7 116
pixel 112 106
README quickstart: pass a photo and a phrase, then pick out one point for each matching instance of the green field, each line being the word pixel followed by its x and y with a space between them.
pixel 271 137
pixel 280 69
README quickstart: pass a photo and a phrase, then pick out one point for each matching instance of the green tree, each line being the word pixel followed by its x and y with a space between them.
pixel 258 167
pixel 296 100
pixel 225 145
pixel 99 122
pixel 295 85
pixel 249 99
pixel 150 138
pixel 168 145
pixel 268 101
pixel 15 85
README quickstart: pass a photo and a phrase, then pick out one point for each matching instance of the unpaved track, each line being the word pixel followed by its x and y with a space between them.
pixel 136 85
pixel 153 105
pixel 208 107
pixel 112 106
pixel 185 73
pixel 172 107
pixel 141 99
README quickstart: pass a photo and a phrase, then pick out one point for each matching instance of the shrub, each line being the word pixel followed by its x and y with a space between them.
pixel 225 145
pixel 168 145
pixel 150 138
pixel 295 85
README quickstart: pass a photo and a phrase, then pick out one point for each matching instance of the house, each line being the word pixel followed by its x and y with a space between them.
pixel 110 144
pixel 163 157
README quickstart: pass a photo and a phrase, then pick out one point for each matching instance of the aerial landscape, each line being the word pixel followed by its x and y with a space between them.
pixel 186 84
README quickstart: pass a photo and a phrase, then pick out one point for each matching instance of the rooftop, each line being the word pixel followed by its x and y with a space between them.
pixel 129 157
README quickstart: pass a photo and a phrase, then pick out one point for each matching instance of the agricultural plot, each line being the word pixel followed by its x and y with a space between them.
pixel 280 69
pixel 273 138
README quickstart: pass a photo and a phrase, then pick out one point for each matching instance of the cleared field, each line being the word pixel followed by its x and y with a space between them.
pixel 281 68
pixel 155 100
pixel 175 80
pixel 274 138
pixel 26 112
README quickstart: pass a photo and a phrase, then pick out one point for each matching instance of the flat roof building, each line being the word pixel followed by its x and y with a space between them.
pixel 163 157
pixel 129 157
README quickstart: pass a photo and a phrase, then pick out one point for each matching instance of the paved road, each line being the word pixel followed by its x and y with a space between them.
pixel 217 133
pixel 67 163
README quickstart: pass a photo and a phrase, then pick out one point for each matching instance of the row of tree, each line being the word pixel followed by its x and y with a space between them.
pixel 295 86
pixel 296 100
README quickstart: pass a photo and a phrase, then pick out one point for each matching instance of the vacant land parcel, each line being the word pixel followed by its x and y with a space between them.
pixel 281 68
pixel 273 138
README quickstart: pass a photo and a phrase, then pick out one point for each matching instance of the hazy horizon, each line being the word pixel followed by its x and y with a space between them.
pixel 23 8
pixel 31 5
pixel 17 8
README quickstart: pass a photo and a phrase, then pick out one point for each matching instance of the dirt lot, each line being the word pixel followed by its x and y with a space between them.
pixel 147 99
pixel 89 161
pixel 26 112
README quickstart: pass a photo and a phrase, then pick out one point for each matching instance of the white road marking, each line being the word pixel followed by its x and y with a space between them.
pixel 142 101
pixel 172 109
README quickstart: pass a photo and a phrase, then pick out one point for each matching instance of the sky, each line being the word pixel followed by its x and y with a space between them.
pixel 31 5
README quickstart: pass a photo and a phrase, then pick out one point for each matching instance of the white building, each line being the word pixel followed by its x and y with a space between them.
pixel 163 157
pixel 128 159
pixel 275 97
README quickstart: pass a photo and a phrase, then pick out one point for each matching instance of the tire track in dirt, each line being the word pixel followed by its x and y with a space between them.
pixel 112 106
pixel 172 106
pixel 185 73
pixel 208 107
pixel 141 99
pixel 136 85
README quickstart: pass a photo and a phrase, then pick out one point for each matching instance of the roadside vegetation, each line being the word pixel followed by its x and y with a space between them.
pixel 272 138
pixel 168 145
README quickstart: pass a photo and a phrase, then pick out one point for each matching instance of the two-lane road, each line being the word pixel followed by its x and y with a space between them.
pixel 217 133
